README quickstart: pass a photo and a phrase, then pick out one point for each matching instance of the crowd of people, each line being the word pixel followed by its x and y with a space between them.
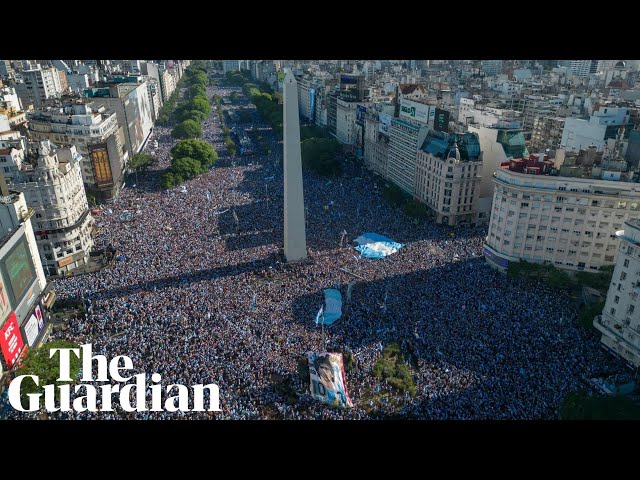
pixel 200 294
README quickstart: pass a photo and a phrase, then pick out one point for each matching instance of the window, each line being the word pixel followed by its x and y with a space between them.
pixel 613 311
pixel 626 262
pixel 623 275
pixel 631 308
pixel 524 204
pixel 616 299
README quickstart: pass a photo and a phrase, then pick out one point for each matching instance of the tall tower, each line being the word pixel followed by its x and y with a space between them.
pixel 295 240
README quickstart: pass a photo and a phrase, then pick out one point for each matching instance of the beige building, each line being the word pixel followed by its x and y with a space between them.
pixel 62 223
pixel 448 177
pixel 376 143
pixel 568 222
pixel 620 319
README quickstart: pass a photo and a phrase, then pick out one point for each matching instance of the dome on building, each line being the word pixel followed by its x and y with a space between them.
pixel 454 152
pixel 620 64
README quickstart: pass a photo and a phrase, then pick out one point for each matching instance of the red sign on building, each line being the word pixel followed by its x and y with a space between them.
pixel 11 341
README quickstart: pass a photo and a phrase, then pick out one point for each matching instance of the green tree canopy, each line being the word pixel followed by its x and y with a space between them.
pixel 196 149
pixel 319 154
pixel 37 362
pixel 197 90
pixel 199 103
pixel 186 167
pixel 169 181
pixel 140 161
pixel 195 115
pixel 187 129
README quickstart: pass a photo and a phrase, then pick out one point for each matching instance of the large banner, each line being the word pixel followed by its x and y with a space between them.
pixel 327 379
pixel 10 340
pixel 34 326
pixel 5 307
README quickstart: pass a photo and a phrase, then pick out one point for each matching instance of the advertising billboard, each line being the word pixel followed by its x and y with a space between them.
pixel 328 384
pixel 11 341
pixel 34 326
pixel 415 111
pixel 441 120
pixel 5 306
pixel 360 113
pixel 312 104
pixel 20 268
pixel 101 166
pixel 385 122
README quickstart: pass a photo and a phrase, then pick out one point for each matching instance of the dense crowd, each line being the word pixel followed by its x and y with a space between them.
pixel 178 300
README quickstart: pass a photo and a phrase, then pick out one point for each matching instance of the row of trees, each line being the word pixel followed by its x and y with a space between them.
pixel 189 158
pixel 195 107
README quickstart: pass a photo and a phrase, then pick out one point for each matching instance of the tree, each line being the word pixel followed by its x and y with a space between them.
pixel 197 90
pixel 319 154
pixel 195 115
pixel 38 362
pixel 186 168
pixel 199 103
pixel 187 129
pixel 169 181
pixel 140 161
pixel 196 149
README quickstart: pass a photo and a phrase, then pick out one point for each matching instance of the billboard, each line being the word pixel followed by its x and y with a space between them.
pixel 328 385
pixel 385 122
pixel 441 120
pixel 415 111
pixel 312 104
pixel 360 113
pixel 20 268
pixel 11 340
pixel 34 326
pixel 5 307
pixel 101 166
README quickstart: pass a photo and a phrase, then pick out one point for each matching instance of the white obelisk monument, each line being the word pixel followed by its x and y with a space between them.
pixel 295 240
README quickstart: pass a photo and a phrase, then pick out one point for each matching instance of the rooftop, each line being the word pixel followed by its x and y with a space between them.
pixel 443 145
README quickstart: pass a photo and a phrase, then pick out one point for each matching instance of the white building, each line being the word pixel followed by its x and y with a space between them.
pixel 568 222
pixel 602 125
pixel 619 322
pixel 78 82
pixel 376 142
pixel 53 188
pixel 405 137
pixel 97 135
pixel 230 65
pixel 38 85
pixel 498 144
pixel 492 67
pixel 345 118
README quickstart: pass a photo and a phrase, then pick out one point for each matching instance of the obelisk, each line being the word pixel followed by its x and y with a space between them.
pixel 295 240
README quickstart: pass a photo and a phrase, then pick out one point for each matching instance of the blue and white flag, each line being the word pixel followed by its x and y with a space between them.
pixel 253 303
pixel 319 315
pixel 208 195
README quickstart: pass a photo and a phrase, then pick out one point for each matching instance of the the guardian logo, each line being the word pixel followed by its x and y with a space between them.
pixel 108 371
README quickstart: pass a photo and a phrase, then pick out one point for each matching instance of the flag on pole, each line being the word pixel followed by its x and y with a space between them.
pixel 208 195
pixel 320 312
pixel 253 303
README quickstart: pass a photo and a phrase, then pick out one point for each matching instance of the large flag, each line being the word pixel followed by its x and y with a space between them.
pixel 333 305
pixel 328 385
pixel 372 245
pixel 253 302
pixel 319 315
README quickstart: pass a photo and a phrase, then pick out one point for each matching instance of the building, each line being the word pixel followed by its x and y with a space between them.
pixel 53 188
pixel 412 91
pixel 133 107
pixel 448 171
pixel 78 82
pixel 580 68
pixel 167 84
pixel 376 141
pixel 603 124
pixel 95 132
pixel 230 65
pixel 570 222
pixel 38 85
pixel 304 101
pixel 547 133
pixel 619 322
pixel 499 144
pixel 11 108
pixel 345 118
pixel 405 137
pixel 492 67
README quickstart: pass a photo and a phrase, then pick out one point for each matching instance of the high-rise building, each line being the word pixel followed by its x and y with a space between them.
pixel 376 141
pixel 53 188
pixel 448 177
pixel 38 85
pixel 619 322
pixel 405 137
pixel 567 221
pixel 95 132
pixel 230 65
pixel 547 133
pixel 603 124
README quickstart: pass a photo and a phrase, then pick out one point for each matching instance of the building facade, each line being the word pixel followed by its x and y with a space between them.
pixel 448 177
pixel 405 137
pixel 619 322
pixel 53 188
pixel 568 222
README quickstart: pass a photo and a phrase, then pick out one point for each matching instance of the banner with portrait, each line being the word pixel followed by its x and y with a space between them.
pixel 328 385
